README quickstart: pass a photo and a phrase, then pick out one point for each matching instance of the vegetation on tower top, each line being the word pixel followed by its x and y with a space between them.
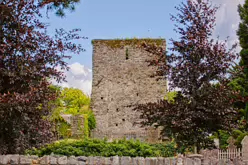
pixel 120 43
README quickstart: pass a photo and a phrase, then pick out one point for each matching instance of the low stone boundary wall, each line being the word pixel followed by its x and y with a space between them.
pixel 115 160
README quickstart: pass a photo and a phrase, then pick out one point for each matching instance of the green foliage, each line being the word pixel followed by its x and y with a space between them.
pixel 238 135
pixel 170 96
pixel 240 80
pixel 240 84
pixel 71 101
pixel 223 137
pixel 59 6
pixel 64 129
pixel 77 103
pixel 90 116
pixel 74 100
pixel 86 126
pixel 93 147
pixel 120 43
pixel 246 112
pixel 240 138
pixel 56 105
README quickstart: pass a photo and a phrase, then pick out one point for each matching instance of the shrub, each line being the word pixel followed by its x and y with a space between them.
pixel 93 147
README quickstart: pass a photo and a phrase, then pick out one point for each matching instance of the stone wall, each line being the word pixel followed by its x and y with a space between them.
pixel 77 124
pixel 122 77
pixel 81 160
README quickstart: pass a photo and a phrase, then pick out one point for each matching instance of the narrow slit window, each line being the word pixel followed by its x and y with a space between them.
pixel 127 55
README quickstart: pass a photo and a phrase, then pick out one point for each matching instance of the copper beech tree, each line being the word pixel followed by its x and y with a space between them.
pixel 28 59
pixel 198 67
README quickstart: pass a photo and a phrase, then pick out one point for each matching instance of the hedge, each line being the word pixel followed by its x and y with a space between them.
pixel 93 147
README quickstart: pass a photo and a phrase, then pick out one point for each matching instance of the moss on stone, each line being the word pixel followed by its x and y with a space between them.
pixel 120 43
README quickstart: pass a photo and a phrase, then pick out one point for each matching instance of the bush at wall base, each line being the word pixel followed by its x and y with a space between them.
pixel 93 147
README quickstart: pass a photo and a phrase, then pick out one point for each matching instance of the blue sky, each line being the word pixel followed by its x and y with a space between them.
pixel 117 19
pixel 111 19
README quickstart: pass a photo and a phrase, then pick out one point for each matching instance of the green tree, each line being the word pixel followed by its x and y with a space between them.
pixel 59 6
pixel 73 101
pixel 240 82
pixel 60 126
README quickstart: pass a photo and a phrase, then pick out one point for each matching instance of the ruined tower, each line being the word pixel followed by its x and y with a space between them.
pixel 122 77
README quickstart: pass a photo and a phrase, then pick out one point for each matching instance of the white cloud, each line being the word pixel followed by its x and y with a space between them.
pixel 227 20
pixel 226 26
pixel 78 77
pixel 77 69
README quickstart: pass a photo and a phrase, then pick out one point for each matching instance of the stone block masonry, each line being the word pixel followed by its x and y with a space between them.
pixel 122 77
pixel 115 160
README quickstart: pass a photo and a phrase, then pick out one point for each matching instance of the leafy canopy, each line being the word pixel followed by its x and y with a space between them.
pixel 74 101
pixel 59 6
pixel 240 81
pixel 198 66
pixel 28 58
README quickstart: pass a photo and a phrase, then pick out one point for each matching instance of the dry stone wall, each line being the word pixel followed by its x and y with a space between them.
pixel 77 124
pixel 81 160
pixel 122 77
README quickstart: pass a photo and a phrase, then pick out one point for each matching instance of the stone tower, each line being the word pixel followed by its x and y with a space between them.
pixel 122 77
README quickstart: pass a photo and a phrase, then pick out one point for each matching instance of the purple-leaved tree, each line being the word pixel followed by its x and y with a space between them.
pixel 28 58
pixel 199 67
